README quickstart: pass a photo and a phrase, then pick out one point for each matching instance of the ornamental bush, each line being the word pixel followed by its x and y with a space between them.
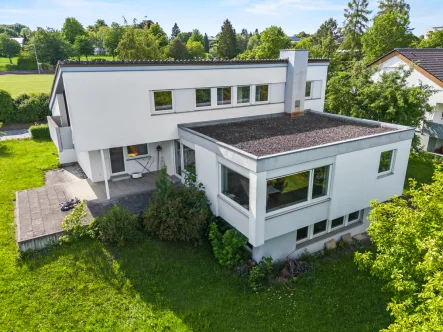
pixel 117 226
pixel 73 225
pixel 6 107
pixel 40 131
pixel 177 213
pixel 228 247
pixel 32 107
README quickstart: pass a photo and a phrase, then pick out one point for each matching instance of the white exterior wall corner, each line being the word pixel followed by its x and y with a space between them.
pixel 317 72
pixel 206 166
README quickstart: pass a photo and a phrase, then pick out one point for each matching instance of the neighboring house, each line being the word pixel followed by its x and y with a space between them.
pixel 429 31
pixel 294 39
pixel 19 40
pixel 278 169
pixel 428 70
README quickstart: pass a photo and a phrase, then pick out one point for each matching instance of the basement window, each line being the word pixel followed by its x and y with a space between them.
pixel 162 101
pixel 137 150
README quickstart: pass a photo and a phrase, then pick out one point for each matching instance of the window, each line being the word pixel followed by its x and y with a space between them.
pixel 320 227
pixel 235 186
pixel 137 150
pixel 223 96
pixel 163 100
pixel 243 94
pixel 302 234
pixel 353 217
pixel 261 93
pixel 337 222
pixel 203 97
pixel 295 188
pixel 178 159
pixel 320 182
pixel 287 191
pixel 188 159
pixel 308 89
pixel 386 158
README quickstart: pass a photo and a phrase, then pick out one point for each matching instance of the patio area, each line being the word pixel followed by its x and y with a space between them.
pixel 37 211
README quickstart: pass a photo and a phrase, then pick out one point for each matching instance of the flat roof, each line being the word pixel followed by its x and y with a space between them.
pixel 280 133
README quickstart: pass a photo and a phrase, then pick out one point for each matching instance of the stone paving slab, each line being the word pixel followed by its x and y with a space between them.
pixel 15 134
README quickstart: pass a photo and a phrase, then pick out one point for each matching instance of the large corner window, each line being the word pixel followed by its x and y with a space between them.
pixel 203 97
pixel 308 89
pixel 137 150
pixel 297 188
pixel 223 96
pixel 243 94
pixel 386 162
pixel 235 186
pixel 162 101
pixel 261 93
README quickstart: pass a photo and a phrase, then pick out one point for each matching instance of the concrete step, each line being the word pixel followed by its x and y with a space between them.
pixel 120 177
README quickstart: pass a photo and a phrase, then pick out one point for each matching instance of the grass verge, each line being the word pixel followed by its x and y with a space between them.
pixel 26 83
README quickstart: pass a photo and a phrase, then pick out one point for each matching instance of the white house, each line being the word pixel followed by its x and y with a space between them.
pixel 278 169
pixel 428 70
pixel 431 30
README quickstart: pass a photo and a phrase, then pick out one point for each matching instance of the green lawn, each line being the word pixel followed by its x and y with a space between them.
pixel 420 169
pixel 17 84
pixel 4 61
pixel 154 285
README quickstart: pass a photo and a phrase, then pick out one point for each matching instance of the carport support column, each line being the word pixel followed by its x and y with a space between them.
pixel 257 208
pixel 105 174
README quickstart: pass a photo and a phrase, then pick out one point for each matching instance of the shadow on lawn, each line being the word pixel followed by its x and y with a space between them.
pixel 5 151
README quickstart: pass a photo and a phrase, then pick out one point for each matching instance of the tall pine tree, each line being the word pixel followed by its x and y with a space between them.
pixel 355 24
pixel 388 6
pixel 227 43
pixel 206 43
pixel 175 31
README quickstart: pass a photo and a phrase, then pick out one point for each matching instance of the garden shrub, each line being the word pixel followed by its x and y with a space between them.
pixel 260 273
pixel 26 61
pixel 117 226
pixel 40 131
pixel 73 225
pixel 228 247
pixel 32 107
pixel 6 107
pixel 177 213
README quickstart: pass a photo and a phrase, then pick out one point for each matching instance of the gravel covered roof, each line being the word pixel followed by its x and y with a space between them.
pixel 277 134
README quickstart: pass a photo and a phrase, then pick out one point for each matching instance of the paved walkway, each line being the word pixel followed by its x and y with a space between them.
pixel 14 134
pixel 38 215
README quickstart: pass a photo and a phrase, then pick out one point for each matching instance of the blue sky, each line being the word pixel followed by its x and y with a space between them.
pixel 206 15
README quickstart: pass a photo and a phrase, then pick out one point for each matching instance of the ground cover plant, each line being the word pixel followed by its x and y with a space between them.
pixel 158 285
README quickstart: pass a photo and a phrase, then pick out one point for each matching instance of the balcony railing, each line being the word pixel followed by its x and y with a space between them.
pixel 61 136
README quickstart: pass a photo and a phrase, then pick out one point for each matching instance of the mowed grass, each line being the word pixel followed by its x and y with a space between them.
pixel 420 169
pixel 152 285
pixel 4 61
pixel 32 83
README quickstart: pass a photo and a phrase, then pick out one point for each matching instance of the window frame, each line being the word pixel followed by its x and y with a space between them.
pixel 310 90
pixel 350 222
pixel 310 200
pixel 139 156
pixel 199 108
pixel 255 94
pixel 216 97
pixel 230 201
pixel 307 238
pixel 391 165
pixel 153 110
pixel 236 95
pixel 321 233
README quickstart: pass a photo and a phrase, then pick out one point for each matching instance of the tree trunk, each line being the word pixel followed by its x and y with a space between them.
pixel 10 60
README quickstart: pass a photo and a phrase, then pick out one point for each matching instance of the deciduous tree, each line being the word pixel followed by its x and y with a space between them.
pixel 112 38
pixel 408 236
pixel 355 24
pixel 83 46
pixel 195 49
pixel 9 47
pixel 435 40
pixel 196 36
pixel 138 44
pixel 389 6
pixel 50 45
pixel 72 28
pixel 177 50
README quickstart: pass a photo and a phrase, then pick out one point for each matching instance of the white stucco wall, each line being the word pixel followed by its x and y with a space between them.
pixel 414 80
pixel 317 73
pixel 67 156
pixel 111 109
pixel 85 163
pixel 55 108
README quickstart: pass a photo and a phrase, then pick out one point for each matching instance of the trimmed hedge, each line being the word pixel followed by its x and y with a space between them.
pixel 40 131
pixel 25 108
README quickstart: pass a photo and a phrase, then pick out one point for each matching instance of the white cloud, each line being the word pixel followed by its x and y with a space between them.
pixel 275 7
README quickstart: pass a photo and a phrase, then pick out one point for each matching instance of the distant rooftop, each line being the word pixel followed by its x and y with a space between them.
pixel 276 134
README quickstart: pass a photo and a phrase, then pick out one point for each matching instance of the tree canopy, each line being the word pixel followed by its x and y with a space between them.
pixel 9 47
pixel 175 31
pixel 72 28
pixel 435 40
pixel 355 24
pixel 83 46
pixel 408 236
pixel 112 38
pixel 50 45
pixel 227 42
pixel 138 44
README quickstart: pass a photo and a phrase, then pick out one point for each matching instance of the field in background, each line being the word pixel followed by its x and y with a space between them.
pixel 33 83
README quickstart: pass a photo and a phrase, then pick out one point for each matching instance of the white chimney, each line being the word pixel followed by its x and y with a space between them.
pixel 295 81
